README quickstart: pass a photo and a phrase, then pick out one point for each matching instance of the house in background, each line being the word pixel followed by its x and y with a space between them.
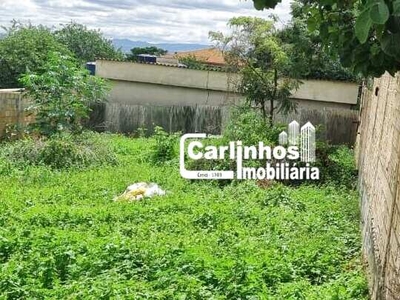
pixel 212 57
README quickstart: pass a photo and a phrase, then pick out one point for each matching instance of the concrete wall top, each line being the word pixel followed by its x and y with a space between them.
pixel 11 91
pixel 158 74
pixel 328 91
pixel 316 90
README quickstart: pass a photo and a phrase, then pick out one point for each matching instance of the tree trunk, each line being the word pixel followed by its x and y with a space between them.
pixel 272 100
pixel 264 111
pixel 271 112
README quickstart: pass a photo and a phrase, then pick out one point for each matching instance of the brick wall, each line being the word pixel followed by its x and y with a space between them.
pixel 12 110
pixel 378 163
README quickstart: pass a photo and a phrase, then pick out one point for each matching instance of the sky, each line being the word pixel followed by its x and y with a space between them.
pixel 176 21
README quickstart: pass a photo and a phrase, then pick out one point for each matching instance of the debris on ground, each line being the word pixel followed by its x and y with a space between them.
pixel 138 191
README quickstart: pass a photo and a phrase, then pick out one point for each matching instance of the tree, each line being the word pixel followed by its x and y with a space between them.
pixel 365 34
pixel 254 49
pixel 145 50
pixel 306 52
pixel 86 44
pixel 62 94
pixel 25 47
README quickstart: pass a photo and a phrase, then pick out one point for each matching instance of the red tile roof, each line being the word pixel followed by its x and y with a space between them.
pixel 212 56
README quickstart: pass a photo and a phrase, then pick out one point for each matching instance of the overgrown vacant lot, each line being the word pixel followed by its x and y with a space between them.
pixel 62 236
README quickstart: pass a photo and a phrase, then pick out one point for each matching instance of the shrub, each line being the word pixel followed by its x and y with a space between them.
pixel 341 168
pixel 191 61
pixel 337 165
pixel 247 125
pixel 165 147
pixel 25 47
pixel 62 95
pixel 59 152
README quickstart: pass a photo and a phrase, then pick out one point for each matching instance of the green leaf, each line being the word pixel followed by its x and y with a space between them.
pixel 379 13
pixel 258 4
pixel 363 25
pixel 379 30
pixel 261 4
pixel 390 44
pixel 327 2
pixel 312 24
pixel 396 8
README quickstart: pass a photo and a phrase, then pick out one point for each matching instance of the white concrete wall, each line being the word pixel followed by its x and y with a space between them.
pixel 140 93
pixel 162 75
pixel 313 90
pixel 328 91
pixel 181 99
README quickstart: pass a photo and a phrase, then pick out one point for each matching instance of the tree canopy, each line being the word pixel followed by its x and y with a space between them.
pixel 305 48
pixel 153 50
pixel 365 34
pixel 25 48
pixel 254 49
pixel 86 44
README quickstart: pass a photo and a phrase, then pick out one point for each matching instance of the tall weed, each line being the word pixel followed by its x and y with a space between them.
pixel 58 152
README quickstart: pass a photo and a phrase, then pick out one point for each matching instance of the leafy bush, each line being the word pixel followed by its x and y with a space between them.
pixel 86 44
pixel 25 47
pixel 165 147
pixel 58 152
pixel 62 95
pixel 247 125
pixel 342 168
pixel 337 165
pixel 192 62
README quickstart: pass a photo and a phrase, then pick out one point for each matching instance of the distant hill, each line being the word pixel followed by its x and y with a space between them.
pixel 126 45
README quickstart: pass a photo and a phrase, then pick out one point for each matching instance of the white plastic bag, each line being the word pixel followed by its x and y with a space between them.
pixel 138 191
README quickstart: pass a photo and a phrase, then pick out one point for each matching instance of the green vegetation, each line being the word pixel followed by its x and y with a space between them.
pixel 25 48
pixel 61 151
pixel 254 49
pixel 337 165
pixel 86 44
pixel 145 50
pixel 365 34
pixel 62 236
pixel 165 147
pixel 192 62
pixel 62 94
pixel 306 51
pixel 247 125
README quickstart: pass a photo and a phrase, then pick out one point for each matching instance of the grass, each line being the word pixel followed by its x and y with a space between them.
pixel 62 236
